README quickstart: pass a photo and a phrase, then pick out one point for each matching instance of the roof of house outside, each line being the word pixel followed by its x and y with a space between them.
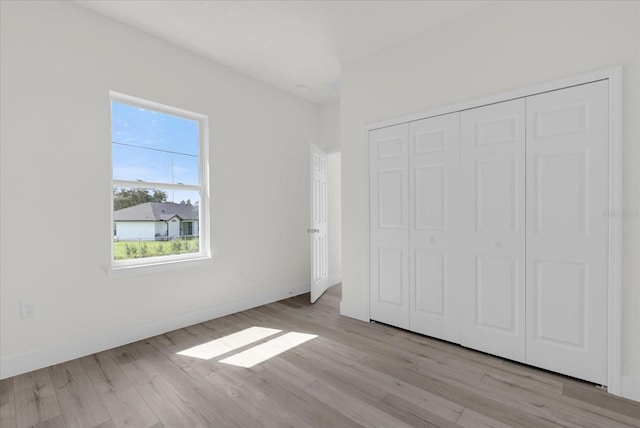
pixel 157 211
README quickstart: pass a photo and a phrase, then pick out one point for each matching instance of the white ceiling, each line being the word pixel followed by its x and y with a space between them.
pixel 298 46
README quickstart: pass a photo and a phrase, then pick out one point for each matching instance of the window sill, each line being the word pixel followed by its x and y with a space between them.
pixel 160 266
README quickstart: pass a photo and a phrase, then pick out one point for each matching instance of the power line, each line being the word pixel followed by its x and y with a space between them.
pixel 155 150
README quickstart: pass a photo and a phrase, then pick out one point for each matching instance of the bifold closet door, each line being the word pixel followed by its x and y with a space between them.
pixel 389 225
pixel 492 229
pixel 567 230
pixel 434 159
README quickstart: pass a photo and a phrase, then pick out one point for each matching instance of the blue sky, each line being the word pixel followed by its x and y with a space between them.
pixel 153 146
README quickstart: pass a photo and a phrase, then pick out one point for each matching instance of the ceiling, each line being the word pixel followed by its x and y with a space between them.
pixel 298 46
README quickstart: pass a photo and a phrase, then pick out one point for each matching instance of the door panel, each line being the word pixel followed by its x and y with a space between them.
pixel 390 274
pixel 500 129
pixel 561 204
pixel 567 235
pixel 319 224
pixel 391 184
pixel 496 197
pixel 429 194
pixel 430 275
pixel 496 285
pixel 389 218
pixel 434 147
pixel 560 311
pixel 493 247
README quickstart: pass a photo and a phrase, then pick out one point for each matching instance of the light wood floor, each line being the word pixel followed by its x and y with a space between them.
pixel 351 374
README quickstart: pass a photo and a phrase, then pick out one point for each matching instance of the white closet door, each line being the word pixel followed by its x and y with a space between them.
pixel 434 158
pixel 389 225
pixel 567 231
pixel 493 229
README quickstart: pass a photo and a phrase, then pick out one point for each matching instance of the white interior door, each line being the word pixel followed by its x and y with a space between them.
pixel 389 225
pixel 493 227
pixel 319 224
pixel 567 231
pixel 434 159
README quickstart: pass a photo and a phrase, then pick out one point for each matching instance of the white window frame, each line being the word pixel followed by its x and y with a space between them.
pixel 157 263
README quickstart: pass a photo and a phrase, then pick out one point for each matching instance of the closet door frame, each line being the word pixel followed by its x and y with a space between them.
pixel 614 76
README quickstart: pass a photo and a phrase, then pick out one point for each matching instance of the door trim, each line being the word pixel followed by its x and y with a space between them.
pixel 614 76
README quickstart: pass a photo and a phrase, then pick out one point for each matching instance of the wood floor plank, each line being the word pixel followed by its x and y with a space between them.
pixel 475 363
pixel 354 383
pixel 35 398
pixel 185 362
pixel 546 407
pixel 123 403
pixel 136 368
pixel 562 408
pixel 466 397
pixel 554 380
pixel 299 402
pixel 471 419
pixel 107 424
pixel 352 406
pixel 57 422
pixel 200 395
pixel 598 398
pixel 412 414
pixel 7 404
pixel 429 401
pixel 173 409
pixel 345 355
pixel 370 343
pixel 258 404
pixel 79 401
pixel 537 385
pixel 290 372
pixel 194 388
pixel 537 405
pixel 193 365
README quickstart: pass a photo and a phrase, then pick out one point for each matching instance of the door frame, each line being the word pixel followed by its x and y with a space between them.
pixel 614 76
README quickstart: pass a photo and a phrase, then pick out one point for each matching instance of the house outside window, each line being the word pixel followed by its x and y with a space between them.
pixel 159 184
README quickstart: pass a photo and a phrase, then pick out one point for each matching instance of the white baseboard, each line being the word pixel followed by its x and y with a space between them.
pixel 16 364
pixel 630 387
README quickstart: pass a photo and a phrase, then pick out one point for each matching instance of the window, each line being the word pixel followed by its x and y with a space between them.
pixel 159 183
pixel 186 228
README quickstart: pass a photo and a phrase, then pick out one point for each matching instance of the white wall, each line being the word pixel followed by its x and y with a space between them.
pixel 504 46
pixel 330 126
pixel 335 217
pixel 59 61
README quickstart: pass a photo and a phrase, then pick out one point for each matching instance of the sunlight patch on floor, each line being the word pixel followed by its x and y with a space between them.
pixel 267 350
pixel 229 343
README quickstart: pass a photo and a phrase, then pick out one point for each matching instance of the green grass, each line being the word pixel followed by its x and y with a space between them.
pixel 154 248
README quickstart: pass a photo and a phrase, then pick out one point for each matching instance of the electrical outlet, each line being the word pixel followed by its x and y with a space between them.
pixel 27 309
